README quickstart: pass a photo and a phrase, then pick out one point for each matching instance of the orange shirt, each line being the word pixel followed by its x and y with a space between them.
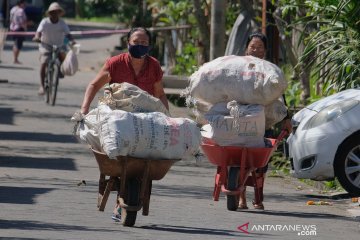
pixel 121 70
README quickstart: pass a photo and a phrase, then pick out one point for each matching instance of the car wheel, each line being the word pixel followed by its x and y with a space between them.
pixel 347 164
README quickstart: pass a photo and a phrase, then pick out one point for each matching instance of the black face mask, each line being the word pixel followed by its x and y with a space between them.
pixel 138 51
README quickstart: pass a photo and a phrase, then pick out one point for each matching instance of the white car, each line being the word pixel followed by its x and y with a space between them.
pixel 325 142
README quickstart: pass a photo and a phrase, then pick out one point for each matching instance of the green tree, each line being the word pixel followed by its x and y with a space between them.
pixel 331 39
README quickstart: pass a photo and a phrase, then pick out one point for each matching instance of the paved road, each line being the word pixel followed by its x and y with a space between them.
pixel 41 164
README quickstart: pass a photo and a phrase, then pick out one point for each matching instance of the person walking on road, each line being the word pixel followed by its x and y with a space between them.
pixel 52 30
pixel 18 24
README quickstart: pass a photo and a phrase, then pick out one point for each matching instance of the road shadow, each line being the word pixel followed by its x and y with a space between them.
pixel 21 195
pixel 27 46
pixel 196 231
pixel 337 196
pixel 17 238
pixel 38 163
pixel 16 67
pixel 179 191
pixel 37 225
pixel 38 137
pixel 7 115
pixel 68 105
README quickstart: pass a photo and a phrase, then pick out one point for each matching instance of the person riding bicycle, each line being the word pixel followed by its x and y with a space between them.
pixel 52 30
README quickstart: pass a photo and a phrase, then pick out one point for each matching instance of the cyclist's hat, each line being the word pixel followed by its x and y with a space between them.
pixel 56 7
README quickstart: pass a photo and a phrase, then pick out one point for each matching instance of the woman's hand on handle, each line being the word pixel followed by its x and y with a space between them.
pixel 94 86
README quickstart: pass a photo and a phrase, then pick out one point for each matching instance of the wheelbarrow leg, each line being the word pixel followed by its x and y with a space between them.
pixel 145 210
pixel 102 186
pixel 220 177
pixel 109 187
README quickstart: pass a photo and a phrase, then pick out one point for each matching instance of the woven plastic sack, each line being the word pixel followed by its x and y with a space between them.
pixel 148 135
pixel 130 98
pixel 235 125
pixel 245 79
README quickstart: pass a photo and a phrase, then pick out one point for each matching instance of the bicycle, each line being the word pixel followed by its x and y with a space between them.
pixel 52 74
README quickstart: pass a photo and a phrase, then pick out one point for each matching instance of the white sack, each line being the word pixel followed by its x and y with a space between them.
pixel 70 65
pixel 275 112
pixel 148 135
pixel 245 79
pixel 130 98
pixel 88 129
pixel 245 126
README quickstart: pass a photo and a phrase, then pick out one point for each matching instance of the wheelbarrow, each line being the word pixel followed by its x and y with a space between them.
pixel 132 178
pixel 236 168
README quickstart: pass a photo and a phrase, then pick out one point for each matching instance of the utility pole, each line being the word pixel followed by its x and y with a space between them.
pixel 217 30
pixel 263 22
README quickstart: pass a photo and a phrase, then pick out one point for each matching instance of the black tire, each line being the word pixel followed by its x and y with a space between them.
pixel 347 157
pixel 47 84
pixel 54 84
pixel 128 218
pixel 233 184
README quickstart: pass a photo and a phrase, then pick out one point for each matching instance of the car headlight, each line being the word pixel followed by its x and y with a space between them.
pixel 329 113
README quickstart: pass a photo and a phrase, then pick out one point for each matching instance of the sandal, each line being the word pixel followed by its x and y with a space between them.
pixel 116 217
pixel 243 206
pixel 259 206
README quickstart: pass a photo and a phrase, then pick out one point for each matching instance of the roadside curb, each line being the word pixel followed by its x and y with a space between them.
pixel 354 212
pixel 94 24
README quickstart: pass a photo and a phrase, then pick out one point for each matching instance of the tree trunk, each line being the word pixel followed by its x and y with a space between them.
pixel 171 51
pixel 305 83
pixel 217 34
pixel 285 38
pixel 204 41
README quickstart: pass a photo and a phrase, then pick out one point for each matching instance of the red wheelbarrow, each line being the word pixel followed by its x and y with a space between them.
pixel 234 166
pixel 132 178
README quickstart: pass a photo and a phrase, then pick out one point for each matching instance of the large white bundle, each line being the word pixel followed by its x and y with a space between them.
pixel 88 126
pixel 274 112
pixel 245 126
pixel 245 79
pixel 148 135
pixel 130 98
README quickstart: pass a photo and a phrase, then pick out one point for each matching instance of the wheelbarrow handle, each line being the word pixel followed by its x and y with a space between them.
pixel 282 134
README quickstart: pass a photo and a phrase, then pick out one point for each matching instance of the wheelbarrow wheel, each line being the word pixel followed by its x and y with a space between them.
pixel 232 184
pixel 128 218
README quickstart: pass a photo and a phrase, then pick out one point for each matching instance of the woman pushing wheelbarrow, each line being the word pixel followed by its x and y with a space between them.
pixel 131 134
pixel 237 98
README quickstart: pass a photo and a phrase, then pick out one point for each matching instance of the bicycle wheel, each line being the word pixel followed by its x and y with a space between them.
pixel 233 184
pixel 48 75
pixel 128 218
pixel 54 83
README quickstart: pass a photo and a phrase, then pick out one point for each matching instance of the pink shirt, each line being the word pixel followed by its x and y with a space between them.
pixel 17 18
